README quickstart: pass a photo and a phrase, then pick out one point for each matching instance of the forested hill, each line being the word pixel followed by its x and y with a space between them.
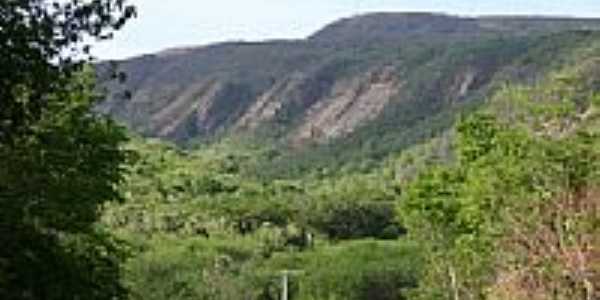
pixel 385 157
pixel 425 157
pixel 392 71
pixel 503 206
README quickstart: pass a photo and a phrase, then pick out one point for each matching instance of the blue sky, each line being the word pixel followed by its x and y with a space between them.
pixel 172 23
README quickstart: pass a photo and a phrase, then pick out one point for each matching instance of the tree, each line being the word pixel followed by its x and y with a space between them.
pixel 41 46
pixel 60 162
pixel 502 221
pixel 53 183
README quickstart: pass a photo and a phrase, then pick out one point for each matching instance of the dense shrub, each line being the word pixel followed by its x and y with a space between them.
pixel 351 220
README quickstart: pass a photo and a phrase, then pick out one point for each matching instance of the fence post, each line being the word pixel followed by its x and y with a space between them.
pixel 284 285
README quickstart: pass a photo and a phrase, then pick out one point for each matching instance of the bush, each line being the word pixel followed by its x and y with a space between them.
pixel 357 270
pixel 350 220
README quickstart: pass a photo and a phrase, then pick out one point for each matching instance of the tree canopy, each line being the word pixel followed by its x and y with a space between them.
pixel 41 44
pixel 60 161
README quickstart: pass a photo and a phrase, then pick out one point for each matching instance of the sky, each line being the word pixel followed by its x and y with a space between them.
pixel 164 24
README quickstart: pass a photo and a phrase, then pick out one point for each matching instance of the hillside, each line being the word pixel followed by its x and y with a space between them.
pixel 393 77
pixel 385 157
pixel 503 206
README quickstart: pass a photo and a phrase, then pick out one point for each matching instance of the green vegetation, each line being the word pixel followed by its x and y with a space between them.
pixel 511 216
pixel 500 201
pixel 442 66
pixel 60 162
pixel 427 106
pixel 54 179
pixel 173 268
pixel 201 229
pixel 503 206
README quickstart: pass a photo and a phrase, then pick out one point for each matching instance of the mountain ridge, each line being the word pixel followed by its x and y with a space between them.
pixel 175 50
pixel 322 90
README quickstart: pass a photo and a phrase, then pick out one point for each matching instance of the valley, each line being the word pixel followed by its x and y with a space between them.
pixel 360 159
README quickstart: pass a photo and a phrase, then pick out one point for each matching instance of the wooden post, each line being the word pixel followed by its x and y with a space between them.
pixel 284 285
pixel 453 283
pixel 285 282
